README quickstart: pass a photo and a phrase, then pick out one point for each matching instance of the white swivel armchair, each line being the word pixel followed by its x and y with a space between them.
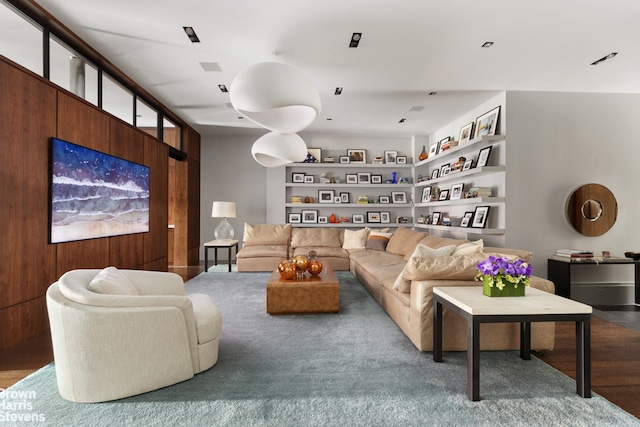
pixel 118 333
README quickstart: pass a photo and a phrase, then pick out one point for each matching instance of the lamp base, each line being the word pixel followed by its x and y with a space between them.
pixel 224 231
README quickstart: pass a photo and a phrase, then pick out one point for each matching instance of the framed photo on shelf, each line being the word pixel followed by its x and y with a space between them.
pixel 390 157
pixel 357 156
pixel 323 220
pixel 466 219
pixel 435 218
pixel 385 217
pixel 373 216
pixel 444 195
pixel 314 155
pixel 358 218
pixel 337 199
pixel 456 191
pixel 444 144
pixel 376 179
pixel 435 173
pixel 351 178
pixel 480 217
pixel 378 160
pixel 309 179
pixel 444 169
pixel 401 160
pixel 309 216
pixel 364 177
pixel 466 133
pixel 433 149
pixel 294 218
pixel 483 157
pixel 325 196
pixel 468 164
pixel 398 197
pixel 384 199
pixel 344 197
pixel 426 194
pixel 487 123
pixel 345 159
pixel 297 177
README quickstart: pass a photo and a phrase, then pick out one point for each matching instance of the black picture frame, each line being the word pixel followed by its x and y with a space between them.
pixel 310 216
pixel 294 218
pixel 384 200
pixel 297 177
pixel 357 155
pixel 444 195
pixel 426 195
pixel 480 216
pixel 345 197
pixel 373 217
pixel 483 157
pixel 466 219
pixel 435 218
pixel 326 196
pixel 385 217
pixel 376 179
pixel 398 197
pixel 357 218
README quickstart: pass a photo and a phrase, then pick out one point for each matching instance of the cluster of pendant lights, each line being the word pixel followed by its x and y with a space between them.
pixel 282 100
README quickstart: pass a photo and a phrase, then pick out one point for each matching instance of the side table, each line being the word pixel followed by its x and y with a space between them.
pixel 217 244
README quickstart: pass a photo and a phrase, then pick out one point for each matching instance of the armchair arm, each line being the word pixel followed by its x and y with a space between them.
pixel 155 282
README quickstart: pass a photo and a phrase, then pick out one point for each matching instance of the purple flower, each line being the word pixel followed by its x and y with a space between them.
pixel 503 270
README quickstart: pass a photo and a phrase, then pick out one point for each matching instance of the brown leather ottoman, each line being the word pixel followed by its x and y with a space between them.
pixel 311 294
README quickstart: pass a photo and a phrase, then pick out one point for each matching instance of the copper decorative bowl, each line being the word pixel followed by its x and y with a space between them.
pixel 634 255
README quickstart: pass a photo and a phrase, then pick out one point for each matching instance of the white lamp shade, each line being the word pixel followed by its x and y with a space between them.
pixel 223 210
pixel 275 96
pixel 277 149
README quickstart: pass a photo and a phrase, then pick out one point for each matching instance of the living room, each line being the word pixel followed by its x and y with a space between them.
pixel 554 146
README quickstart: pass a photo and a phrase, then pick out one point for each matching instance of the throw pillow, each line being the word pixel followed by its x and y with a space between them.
pixel 111 281
pixel 445 268
pixel 404 241
pixel 378 241
pixel 469 248
pixel 420 255
pixel 355 239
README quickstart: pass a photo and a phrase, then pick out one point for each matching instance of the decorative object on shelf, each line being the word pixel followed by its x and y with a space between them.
pixel 277 149
pixel 423 154
pixel 376 179
pixel 483 157
pixel 337 199
pixel 364 177
pixel 357 156
pixel 480 217
pixel 297 199
pixel 373 216
pixel 457 166
pixel 345 159
pixel 363 200
pixel 384 199
pixel 309 179
pixel 467 165
pixel 313 155
pixel 421 219
pixel 287 269
pixel 592 209
pixel 297 177
pixel 403 180
pixel 435 173
pixel 466 132
pixel 390 157
pixel 345 197
pixel 456 191
pixel 358 218
pixel 479 192
pixel 502 277
pixel 394 177
pixel 378 160
pixel 487 123
pixel 351 178
pixel 433 149
pixel 401 160
pixel 426 194
pixel 444 195
pixel 402 220
pixel 223 210
pixel 323 219
pixel 398 197
pixel 333 219
pixel 328 160
pixel 294 218
pixel 444 145
pixel 326 196
pixel 309 216
pixel 445 169
pixel 435 218
pixel 385 217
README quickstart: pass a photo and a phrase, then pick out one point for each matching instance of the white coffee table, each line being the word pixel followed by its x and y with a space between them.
pixel 537 306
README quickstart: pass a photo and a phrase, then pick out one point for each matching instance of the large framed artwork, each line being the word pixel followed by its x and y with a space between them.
pixel 94 194
pixel 487 123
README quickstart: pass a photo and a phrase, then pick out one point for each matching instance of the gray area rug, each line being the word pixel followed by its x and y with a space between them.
pixel 354 368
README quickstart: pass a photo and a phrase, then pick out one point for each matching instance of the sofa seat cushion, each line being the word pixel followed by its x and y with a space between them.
pixel 321 251
pixel 208 318
pixel 404 241
pixel 316 237
pixel 266 234
pixel 111 281
pixel 263 251
pixel 384 266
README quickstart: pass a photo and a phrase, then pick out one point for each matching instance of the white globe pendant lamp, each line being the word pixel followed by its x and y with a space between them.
pixel 275 96
pixel 277 149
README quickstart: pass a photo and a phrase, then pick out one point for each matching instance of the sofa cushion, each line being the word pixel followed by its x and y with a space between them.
pixel 437 242
pixel 355 239
pixel 266 234
pixel 469 248
pixel 509 253
pixel 321 251
pixel 404 241
pixel 417 262
pixel 378 240
pixel 113 282
pixel 315 237
pixel 263 251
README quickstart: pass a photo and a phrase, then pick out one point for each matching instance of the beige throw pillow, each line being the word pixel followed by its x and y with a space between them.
pixel 469 248
pixel 111 281
pixel 420 256
pixel 355 239
pixel 404 241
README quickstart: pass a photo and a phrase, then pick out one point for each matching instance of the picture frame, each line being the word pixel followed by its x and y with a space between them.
pixel 357 218
pixel 398 197
pixel 364 177
pixel 357 155
pixel 426 194
pixel 401 160
pixel 373 216
pixel 384 200
pixel 390 157
pixel 309 179
pixel 433 149
pixel 443 144
pixel 337 199
pixel 480 217
pixel 314 155
pixel 487 123
pixel 345 159
pixel 466 219
pixel 297 177
pixel 385 217
pixel 444 195
pixel 378 160
pixel 294 218
pixel 435 218
pixel 456 191
pixel 345 197
pixel 323 220
pixel 483 157
pixel 351 178
pixel 468 164
pixel 435 173
pixel 466 133
pixel 444 169
pixel 376 179
pixel 326 196
pixel 310 216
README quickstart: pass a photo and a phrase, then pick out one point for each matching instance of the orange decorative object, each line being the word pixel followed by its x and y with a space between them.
pixel 301 261
pixel 288 270
pixel 282 264
pixel 423 155
pixel 332 218
pixel 315 267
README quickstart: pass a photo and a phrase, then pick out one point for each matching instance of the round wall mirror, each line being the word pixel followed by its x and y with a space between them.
pixel 592 209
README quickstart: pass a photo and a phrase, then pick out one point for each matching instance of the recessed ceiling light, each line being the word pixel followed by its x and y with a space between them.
pixel 223 88
pixel 416 108
pixel 402 120
pixel 329 119
pixel 432 93
pixel 191 34
pixel 338 91
pixel 210 66
pixel 604 58
pixel 355 39
pixel 487 44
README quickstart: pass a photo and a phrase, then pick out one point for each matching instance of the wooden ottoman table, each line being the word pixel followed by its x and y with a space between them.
pixel 310 294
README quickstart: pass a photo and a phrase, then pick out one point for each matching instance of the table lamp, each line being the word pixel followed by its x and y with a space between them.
pixel 223 210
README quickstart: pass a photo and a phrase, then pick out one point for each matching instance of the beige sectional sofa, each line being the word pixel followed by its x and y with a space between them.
pixel 400 268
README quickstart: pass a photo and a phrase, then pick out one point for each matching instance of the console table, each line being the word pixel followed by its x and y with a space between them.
pixel 559 272
pixel 216 244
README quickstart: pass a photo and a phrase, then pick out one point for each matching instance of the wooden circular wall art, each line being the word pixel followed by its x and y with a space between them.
pixel 592 209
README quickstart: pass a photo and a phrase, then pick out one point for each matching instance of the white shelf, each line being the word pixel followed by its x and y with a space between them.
pixel 341 185
pixel 350 225
pixel 484 170
pixel 469 230
pixel 466 146
pixel 348 205
pixel 473 200
pixel 351 165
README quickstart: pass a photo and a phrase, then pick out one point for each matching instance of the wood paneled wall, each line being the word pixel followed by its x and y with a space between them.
pixel 32 111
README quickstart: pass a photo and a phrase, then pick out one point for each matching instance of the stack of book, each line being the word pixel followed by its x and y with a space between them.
pixel 574 255
pixel 479 192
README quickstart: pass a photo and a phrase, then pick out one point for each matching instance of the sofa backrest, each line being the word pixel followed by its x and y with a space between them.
pixel 316 237
pixel 266 234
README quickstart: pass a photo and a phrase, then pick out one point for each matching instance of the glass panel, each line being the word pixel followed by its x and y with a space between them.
pixel 146 118
pixel 72 72
pixel 116 99
pixel 171 133
pixel 26 49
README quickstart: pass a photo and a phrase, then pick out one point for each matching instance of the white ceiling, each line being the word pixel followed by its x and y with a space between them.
pixel 408 49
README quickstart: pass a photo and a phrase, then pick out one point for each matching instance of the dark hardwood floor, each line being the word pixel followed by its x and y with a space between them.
pixel 615 357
